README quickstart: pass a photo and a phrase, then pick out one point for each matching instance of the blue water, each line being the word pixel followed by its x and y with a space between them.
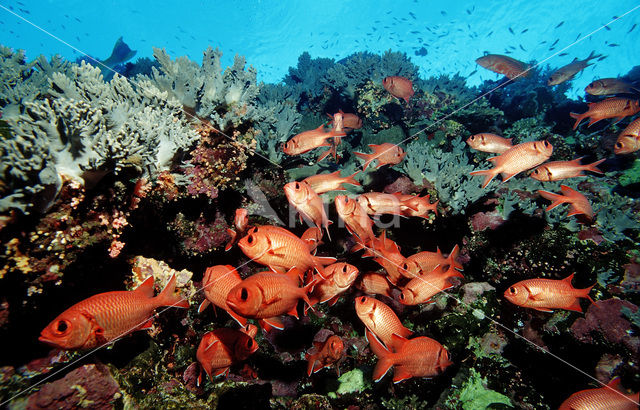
pixel 272 34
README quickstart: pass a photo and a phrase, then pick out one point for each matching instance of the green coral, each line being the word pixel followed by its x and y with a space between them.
pixel 353 381
pixel 474 394
pixel 631 175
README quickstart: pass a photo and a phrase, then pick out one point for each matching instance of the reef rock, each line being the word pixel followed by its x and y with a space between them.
pixel 89 386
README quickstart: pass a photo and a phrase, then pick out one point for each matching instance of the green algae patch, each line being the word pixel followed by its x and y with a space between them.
pixel 631 175
pixel 353 381
pixel 474 395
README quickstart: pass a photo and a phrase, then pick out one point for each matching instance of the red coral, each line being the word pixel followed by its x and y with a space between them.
pixel 484 220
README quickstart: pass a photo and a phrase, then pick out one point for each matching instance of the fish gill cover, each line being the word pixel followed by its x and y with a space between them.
pixel 462 241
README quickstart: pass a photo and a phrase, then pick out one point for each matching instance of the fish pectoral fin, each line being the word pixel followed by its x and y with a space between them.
pixel 224 370
pixel 277 251
pixel 272 322
pixel 536 297
pixel 547 310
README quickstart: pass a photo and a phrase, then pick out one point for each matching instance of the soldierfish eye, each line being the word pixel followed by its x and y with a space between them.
pixel 250 239
pixel 244 295
pixel 618 145
pixel 363 299
pixel 344 269
pixel 513 290
pixel 62 326
pixel 250 343
pixel 472 138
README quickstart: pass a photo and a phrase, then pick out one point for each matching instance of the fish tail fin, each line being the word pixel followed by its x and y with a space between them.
pixel 366 157
pixel 305 296
pixel 578 118
pixel 489 174
pixel 351 180
pixel 556 199
pixel 169 297
pixel 453 256
pixel 584 293
pixel 593 167
pixel 384 356
pixel 324 154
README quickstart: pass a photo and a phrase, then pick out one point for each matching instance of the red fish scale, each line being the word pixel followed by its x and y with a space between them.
pixel 520 158
pixel 558 294
pixel 612 107
pixel 419 357
pixel 118 313
pixel 291 251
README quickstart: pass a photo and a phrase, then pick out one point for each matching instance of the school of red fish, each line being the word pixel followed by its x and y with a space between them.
pixel 295 273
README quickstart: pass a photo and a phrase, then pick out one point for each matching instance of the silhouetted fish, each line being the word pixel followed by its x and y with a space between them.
pixel 561 23
pixel 631 29
pixel 120 54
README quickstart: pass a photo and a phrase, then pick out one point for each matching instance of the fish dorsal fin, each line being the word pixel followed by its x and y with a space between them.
pixel 400 374
pixel 397 341
pixel 146 287
pixel 569 279
pixel 272 322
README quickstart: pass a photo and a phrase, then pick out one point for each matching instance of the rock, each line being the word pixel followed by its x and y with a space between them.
pixel 604 319
pixel 606 366
pixel 89 386
pixel 471 291
pixel 484 220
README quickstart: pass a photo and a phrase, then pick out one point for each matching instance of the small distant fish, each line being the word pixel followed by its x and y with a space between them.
pixel 412 15
pixel 578 36
pixel 607 27
pixel 444 13
pixel 399 87
pixel 524 31
pixel 563 54
pixel 631 29
pixel 614 45
pixel 547 294
pixel 561 23
pixel 511 30
pixel 555 42
pixel 473 72
pixel 522 48
pixel 468 11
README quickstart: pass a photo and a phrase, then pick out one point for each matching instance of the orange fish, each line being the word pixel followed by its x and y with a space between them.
pixel 602 398
pixel 424 262
pixel 419 206
pixel 312 236
pixel 418 357
pixel 610 86
pixel 387 254
pixel 547 294
pixel 380 320
pixel 374 283
pixel 399 87
pixel 308 140
pixel 386 154
pixel 105 317
pixel 217 282
pixel 517 159
pixel 579 204
pixel 241 221
pixel 557 170
pixel 570 70
pixel 355 218
pixel 322 183
pixel 268 294
pixel 280 250
pixel 614 107
pixel 629 139
pixel 338 279
pixel 307 202
pixel 510 67
pixel 422 288
pixel 486 142
pixel 326 354
pixel 343 120
pixel 221 348
pixel 378 203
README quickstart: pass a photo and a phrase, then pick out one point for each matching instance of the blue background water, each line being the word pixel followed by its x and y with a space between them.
pixel 272 34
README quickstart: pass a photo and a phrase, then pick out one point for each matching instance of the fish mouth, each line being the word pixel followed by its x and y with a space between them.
pixel 50 342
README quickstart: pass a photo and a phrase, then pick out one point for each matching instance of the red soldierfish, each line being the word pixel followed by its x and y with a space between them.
pixel 501 64
pixel 424 262
pixel 486 142
pixel 221 348
pixel 386 154
pixel 617 108
pixel 629 139
pixel 348 121
pixel 603 398
pixel 268 294
pixel 280 250
pixel 517 159
pixel 355 218
pixel 308 140
pixel 307 202
pixel 610 86
pixel 380 319
pixel 326 354
pixel 399 87
pixel 322 183
pixel 422 288
pixel 378 203
pixel 105 317
pixel 374 283
pixel 241 222
pixel 217 282
pixel 418 206
pixel 338 279
pixel 579 204
pixel 418 357
pixel 558 170
pixel 570 70
pixel 547 294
